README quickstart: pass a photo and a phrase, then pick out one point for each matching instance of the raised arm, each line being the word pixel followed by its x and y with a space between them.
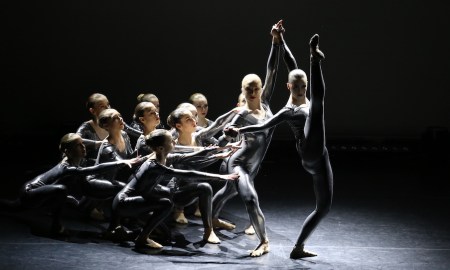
pixel 288 57
pixel 272 64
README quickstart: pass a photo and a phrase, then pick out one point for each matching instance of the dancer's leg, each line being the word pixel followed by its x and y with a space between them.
pixel 188 194
pixel 314 154
pixel 248 194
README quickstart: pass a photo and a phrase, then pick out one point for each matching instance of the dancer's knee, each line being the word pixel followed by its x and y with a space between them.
pixel 205 188
pixel 324 208
pixel 251 201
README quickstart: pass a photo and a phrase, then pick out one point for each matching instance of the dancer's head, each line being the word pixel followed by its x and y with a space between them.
pixel 182 120
pixel 146 114
pixel 190 107
pixel 251 87
pixel 149 97
pixel 297 83
pixel 201 104
pixel 71 145
pixel 160 141
pixel 96 103
pixel 241 100
pixel 111 120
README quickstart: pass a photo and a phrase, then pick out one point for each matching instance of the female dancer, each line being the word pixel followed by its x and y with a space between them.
pixel 90 131
pixel 247 160
pixel 201 104
pixel 138 196
pixel 49 188
pixel 185 125
pixel 117 145
pixel 147 97
pixel 306 119
pixel 146 116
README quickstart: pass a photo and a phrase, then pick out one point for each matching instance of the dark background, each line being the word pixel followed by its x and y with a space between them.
pixel 386 66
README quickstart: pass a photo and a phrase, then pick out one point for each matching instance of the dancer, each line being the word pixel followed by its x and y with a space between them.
pixel 146 97
pixel 90 131
pixel 201 104
pixel 247 160
pixel 49 188
pixel 185 125
pixel 139 197
pixel 116 145
pixel 306 119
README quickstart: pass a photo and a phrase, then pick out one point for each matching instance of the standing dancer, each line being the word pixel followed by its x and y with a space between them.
pixel 306 119
pixel 247 160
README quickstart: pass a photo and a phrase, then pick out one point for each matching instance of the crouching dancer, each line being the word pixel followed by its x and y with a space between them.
pixel 139 195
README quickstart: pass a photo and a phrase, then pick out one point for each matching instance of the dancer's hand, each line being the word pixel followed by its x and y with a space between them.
pixel 134 161
pixel 231 131
pixel 277 31
pixel 232 177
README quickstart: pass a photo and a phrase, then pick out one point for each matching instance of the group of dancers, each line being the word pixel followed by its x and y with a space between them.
pixel 165 171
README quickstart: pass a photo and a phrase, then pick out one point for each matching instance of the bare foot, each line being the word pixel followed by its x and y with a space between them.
pixel 300 252
pixel 97 214
pixel 316 54
pixel 197 212
pixel 249 230
pixel 211 237
pixel 147 243
pixel 218 223
pixel 263 248
pixel 178 216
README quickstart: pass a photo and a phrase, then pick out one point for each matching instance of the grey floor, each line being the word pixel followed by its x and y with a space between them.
pixel 389 212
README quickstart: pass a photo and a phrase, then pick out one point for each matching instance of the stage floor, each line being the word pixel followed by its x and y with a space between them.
pixel 388 212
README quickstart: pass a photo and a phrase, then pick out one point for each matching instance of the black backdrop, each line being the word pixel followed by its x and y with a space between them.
pixel 386 68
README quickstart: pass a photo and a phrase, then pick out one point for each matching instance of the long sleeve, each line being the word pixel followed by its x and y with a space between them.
pixel 278 118
pixel 271 73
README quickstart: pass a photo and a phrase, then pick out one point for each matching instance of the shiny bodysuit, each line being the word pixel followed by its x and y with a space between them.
pixel 49 189
pixel 144 194
pixel 247 160
pixel 307 124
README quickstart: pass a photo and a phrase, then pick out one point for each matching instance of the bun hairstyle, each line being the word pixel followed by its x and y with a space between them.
pixel 146 97
pixel 195 96
pixel 106 116
pixel 67 141
pixel 157 138
pixel 93 99
pixel 140 109
pixel 175 116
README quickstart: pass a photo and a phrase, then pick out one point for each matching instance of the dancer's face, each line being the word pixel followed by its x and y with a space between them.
pixel 151 117
pixel 241 101
pixel 187 123
pixel 116 122
pixel 252 91
pixel 99 106
pixel 298 87
pixel 201 104
pixel 77 150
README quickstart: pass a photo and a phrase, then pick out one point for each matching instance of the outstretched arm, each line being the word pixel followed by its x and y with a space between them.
pixel 215 127
pixel 132 131
pixel 103 167
pixel 198 175
pixel 278 118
